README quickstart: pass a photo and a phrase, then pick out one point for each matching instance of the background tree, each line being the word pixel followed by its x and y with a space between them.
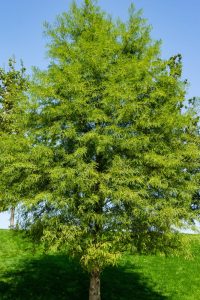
pixel 194 106
pixel 13 85
pixel 113 150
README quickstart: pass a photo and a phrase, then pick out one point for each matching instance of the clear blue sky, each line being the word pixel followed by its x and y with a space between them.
pixel 175 22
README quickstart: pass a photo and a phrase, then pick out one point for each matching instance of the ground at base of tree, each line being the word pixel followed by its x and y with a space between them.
pixel 28 274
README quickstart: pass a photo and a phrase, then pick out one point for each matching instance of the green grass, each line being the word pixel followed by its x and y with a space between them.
pixel 29 275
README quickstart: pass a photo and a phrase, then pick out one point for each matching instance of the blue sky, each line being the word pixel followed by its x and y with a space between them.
pixel 175 22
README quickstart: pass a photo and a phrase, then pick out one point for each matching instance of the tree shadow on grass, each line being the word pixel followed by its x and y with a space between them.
pixel 46 278
pixel 126 283
pixel 58 278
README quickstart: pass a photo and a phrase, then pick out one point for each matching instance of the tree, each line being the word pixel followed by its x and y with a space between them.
pixel 195 107
pixel 13 84
pixel 113 149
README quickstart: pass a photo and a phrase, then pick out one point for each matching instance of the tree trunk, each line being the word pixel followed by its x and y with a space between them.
pixel 12 217
pixel 94 292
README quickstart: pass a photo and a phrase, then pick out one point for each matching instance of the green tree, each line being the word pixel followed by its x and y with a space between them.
pixel 195 107
pixel 113 148
pixel 13 84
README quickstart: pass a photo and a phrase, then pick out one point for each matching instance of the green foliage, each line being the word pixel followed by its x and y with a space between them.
pixel 13 84
pixel 13 121
pixel 113 151
pixel 102 155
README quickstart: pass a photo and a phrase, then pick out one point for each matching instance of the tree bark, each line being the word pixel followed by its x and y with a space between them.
pixel 94 291
pixel 12 217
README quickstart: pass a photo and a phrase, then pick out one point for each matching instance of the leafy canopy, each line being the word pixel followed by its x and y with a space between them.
pixel 13 87
pixel 113 149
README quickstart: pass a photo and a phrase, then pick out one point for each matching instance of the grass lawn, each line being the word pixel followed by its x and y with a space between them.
pixel 29 275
